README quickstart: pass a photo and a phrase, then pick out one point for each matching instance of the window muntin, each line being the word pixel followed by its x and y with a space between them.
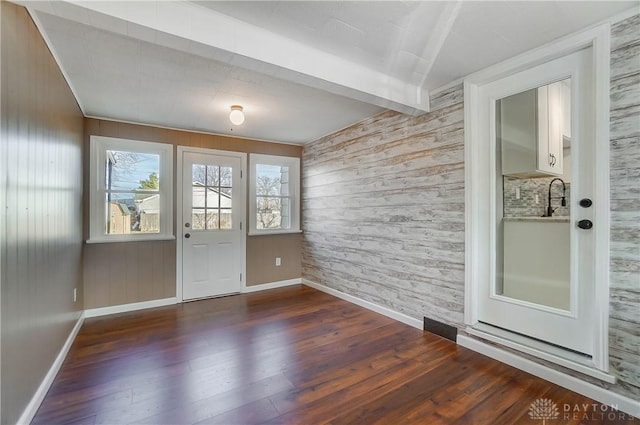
pixel 131 190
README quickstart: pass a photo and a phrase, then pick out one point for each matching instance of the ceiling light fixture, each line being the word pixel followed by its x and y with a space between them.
pixel 236 116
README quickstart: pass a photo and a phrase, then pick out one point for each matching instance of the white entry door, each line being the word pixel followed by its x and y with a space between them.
pixel 211 228
pixel 539 126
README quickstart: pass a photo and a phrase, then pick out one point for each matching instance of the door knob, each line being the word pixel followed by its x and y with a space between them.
pixel 187 225
pixel 585 202
pixel 187 235
pixel 585 224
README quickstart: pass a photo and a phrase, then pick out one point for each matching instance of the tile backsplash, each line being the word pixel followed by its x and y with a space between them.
pixel 527 206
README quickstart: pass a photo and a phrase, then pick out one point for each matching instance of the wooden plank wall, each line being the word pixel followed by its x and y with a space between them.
pixel 383 211
pixel 624 321
pixel 41 205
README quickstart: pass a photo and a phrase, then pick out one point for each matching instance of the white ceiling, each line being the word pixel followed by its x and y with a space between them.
pixel 301 69
pixel 119 77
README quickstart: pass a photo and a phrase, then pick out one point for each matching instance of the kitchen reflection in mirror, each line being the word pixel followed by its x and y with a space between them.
pixel 533 147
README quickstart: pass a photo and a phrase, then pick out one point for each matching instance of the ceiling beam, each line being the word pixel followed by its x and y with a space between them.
pixel 238 43
pixel 433 35
pixel 440 33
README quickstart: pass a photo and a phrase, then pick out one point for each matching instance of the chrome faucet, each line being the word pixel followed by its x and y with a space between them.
pixel 564 199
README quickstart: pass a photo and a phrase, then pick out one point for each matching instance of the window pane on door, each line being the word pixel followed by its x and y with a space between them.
pixel 211 197
pixel 226 174
pixel 198 219
pixel 225 218
pixel 199 174
pixel 213 219
pixel 213 175
pixel 534 233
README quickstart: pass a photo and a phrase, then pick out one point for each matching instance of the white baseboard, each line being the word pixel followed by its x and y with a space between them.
pixel 408 320
pixel 609 398
pixel 123 308
pixel 272 285
pixel 35 402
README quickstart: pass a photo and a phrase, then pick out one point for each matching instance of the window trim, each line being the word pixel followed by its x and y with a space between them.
pixel 97 220
pixel 294 185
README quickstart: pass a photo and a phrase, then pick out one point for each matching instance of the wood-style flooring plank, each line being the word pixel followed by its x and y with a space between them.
pixel 287 356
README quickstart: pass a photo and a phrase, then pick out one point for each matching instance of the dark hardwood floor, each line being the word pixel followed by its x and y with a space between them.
pixel 287 356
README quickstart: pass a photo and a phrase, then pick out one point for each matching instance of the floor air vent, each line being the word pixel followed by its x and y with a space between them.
pixel 440 329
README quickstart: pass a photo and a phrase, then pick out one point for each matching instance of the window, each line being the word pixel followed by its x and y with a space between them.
pixel 275 194
pixel 130 195
pixel 212 206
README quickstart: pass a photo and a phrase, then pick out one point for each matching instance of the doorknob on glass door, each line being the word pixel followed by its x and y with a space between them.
pixel 187 235
pixel 187 225
pixel 585 224
pixel 585 202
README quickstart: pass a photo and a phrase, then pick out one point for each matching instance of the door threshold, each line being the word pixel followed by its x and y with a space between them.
pixel 564 357
pixel 208 297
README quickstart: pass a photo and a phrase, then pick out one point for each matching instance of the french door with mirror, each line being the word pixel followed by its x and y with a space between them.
pixel 212 208
pixel 540 134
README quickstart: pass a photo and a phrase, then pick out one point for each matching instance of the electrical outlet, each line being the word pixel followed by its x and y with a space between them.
pixel 537 199
pixel 75 295
pixel 517 193
pixel 278 261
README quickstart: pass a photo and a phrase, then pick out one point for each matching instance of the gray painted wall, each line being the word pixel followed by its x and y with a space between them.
pixel 383 210
pixel 41 187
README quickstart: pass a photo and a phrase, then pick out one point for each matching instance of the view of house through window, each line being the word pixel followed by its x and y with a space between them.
pixel 211 197
pixel 273 197
pixel 132 191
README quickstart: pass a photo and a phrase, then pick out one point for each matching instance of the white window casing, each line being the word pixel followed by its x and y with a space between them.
pixel 285 174
pixel 157 204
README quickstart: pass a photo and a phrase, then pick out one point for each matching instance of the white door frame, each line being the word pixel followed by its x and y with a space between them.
pixel 179 212
pixel 478 197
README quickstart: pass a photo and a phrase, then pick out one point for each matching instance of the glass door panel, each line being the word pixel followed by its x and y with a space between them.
pixel 533 142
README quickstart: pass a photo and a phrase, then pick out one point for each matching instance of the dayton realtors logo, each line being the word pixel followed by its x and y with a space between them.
pixel 545 409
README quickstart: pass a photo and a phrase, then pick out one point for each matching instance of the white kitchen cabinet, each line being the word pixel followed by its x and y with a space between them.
pixel 530 127
pixel 550 123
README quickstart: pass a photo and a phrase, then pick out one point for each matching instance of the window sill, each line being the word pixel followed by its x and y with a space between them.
pixel 131 239
pixel 273 232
